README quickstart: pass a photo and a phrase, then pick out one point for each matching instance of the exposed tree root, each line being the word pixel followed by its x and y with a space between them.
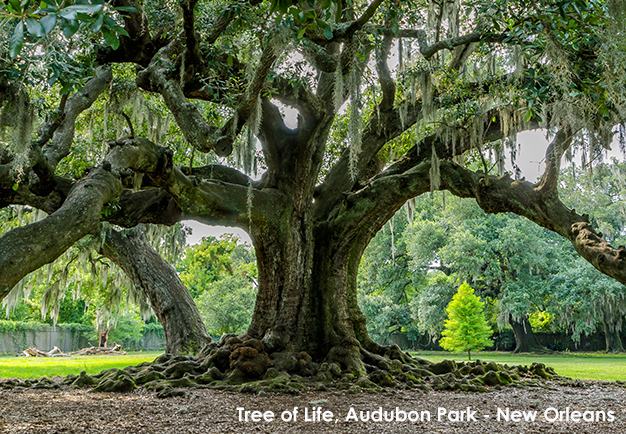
pixel 243 365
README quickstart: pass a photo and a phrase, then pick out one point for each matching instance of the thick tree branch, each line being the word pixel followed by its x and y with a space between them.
pixel 202 136
pixel 387 84
pixel 542 207
pixel 192 44
pixel 60 144
pixel 135 22
pixel 24 196
pixel 44 182
pixel 299 96
pixel 133 207
pixel 250 98
pixel 209 200
pixel 319 57
pixel 344 31
pixel 373 204
pixel 217 172
pixel 377 132
pixel 28 248
pixel 380 131
pixel 368 209
pixel 198 133
pixel 139 46
pixel 554 153
pixel 48 129
pixel 273 128
pixel 423 150
pixel 153 206
pixel 429 51
pixel 460 55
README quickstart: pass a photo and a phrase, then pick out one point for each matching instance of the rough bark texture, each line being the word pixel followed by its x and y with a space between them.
pixel 172 304
pixel 61 142
pixel 525 339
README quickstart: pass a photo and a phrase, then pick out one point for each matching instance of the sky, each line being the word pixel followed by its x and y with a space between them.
pixel 200 230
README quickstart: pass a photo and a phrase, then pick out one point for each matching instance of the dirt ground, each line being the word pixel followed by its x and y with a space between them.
pixel 214 411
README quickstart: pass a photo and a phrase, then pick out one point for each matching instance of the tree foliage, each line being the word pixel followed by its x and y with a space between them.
pixel 466 326
pixel 221 276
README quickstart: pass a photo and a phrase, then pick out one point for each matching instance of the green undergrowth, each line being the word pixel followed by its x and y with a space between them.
pixel 583 366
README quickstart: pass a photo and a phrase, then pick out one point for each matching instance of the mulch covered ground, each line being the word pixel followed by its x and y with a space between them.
pixel 214 411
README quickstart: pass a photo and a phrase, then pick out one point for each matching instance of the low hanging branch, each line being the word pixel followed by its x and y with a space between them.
pixel 527 199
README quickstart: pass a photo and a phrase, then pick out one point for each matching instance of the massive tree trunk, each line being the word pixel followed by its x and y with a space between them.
pixel 310 245
pixel 172 304
pixel 307 295
pixel 525 339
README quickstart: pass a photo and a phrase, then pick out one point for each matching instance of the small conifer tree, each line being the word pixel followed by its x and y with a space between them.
pixel 466 326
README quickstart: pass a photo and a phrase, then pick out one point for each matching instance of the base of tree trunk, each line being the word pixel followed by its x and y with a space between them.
pixel 525 339
pixel 242 364
pixel 612 336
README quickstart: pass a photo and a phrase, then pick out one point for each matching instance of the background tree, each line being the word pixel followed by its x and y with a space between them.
pixel 385 283
pixel 429 306
pixel 466 325
pixel 206 262
pixel 474 74
pixel 505 257
pixel 222 277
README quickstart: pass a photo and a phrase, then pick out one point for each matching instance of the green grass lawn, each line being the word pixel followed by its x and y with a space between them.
pixel 584 366
pixel 587 366
pixel 33 367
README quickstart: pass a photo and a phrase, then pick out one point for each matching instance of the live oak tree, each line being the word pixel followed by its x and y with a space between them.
pixel 470 75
